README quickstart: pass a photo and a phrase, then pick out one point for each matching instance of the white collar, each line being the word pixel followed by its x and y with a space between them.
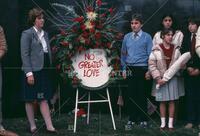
pixel 40 33
pixel 138 33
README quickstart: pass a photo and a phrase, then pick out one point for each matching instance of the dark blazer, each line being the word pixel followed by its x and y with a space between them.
pixel 32 53
pixel 186 47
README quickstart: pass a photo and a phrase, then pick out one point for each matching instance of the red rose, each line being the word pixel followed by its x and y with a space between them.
pixel 99 2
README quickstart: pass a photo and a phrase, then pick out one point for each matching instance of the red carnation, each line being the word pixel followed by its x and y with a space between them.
pixel 89 9
pixel 69 55
pixel 74 80
pixel 92 30
pixel 77 40
pixel 80 48
pixel 58 67
pixel 98 35
pixel 97 45
pixel 103 15
pixel 85 34
pixel 78 19
pixel 54 49
pixel 87 41
pixel 65 44
pixel 100 26
pixel 74 29
pixel 83 27
pixel 62 32
pixel 99 2
pixel 92 23
pixel 108 45
pixel 110 10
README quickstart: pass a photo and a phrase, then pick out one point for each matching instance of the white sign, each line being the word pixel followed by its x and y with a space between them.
pixel 92 68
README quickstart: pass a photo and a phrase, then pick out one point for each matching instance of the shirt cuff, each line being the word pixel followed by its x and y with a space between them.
pixel 29 74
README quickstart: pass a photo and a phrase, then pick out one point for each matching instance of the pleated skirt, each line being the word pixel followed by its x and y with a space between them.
pixel 172 90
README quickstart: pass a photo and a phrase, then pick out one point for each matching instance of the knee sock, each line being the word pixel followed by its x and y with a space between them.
pixel 162 122
pixel 170 123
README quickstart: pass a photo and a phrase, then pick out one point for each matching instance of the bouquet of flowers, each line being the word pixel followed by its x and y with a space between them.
pixel 90 26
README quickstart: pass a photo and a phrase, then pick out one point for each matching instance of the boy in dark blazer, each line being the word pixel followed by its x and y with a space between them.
pixel 192 76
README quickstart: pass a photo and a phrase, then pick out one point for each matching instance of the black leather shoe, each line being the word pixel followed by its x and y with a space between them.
pixel 52 131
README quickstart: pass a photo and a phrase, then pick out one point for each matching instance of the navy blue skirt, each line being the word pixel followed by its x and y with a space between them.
pixel 42 88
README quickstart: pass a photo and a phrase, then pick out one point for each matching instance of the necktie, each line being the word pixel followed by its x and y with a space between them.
pixel 135 35
pixel 193 42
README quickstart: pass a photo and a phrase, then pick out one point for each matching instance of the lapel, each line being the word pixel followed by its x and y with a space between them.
pixel 35 36
pixel 46 39
pixel 34 33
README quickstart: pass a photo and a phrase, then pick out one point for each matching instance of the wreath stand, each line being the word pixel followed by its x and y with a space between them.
pixel 104 99
pixel 93 77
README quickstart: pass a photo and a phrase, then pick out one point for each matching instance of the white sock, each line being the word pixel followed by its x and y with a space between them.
pixel 170 123
pixel 162 122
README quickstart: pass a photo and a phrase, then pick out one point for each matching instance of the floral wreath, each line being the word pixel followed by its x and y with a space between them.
pixel 94 27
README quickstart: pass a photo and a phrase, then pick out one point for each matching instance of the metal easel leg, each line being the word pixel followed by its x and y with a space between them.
pixel 76 110
pixel 111 112
pixel 88 110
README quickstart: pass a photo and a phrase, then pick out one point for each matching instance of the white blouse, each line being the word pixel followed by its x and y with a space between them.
pixel 177 38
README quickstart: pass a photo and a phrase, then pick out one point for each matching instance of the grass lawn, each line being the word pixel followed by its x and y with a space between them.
pixel 100 125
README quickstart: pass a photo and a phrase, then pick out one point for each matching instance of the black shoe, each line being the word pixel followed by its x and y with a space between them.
pixel 129 125
pixel 52 131
pixel 143 124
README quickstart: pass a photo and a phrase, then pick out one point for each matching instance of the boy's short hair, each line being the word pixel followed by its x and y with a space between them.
pixel 194 20
pixel 137 17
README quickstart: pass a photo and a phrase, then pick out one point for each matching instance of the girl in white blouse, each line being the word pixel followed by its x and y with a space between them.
pixel 168 22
